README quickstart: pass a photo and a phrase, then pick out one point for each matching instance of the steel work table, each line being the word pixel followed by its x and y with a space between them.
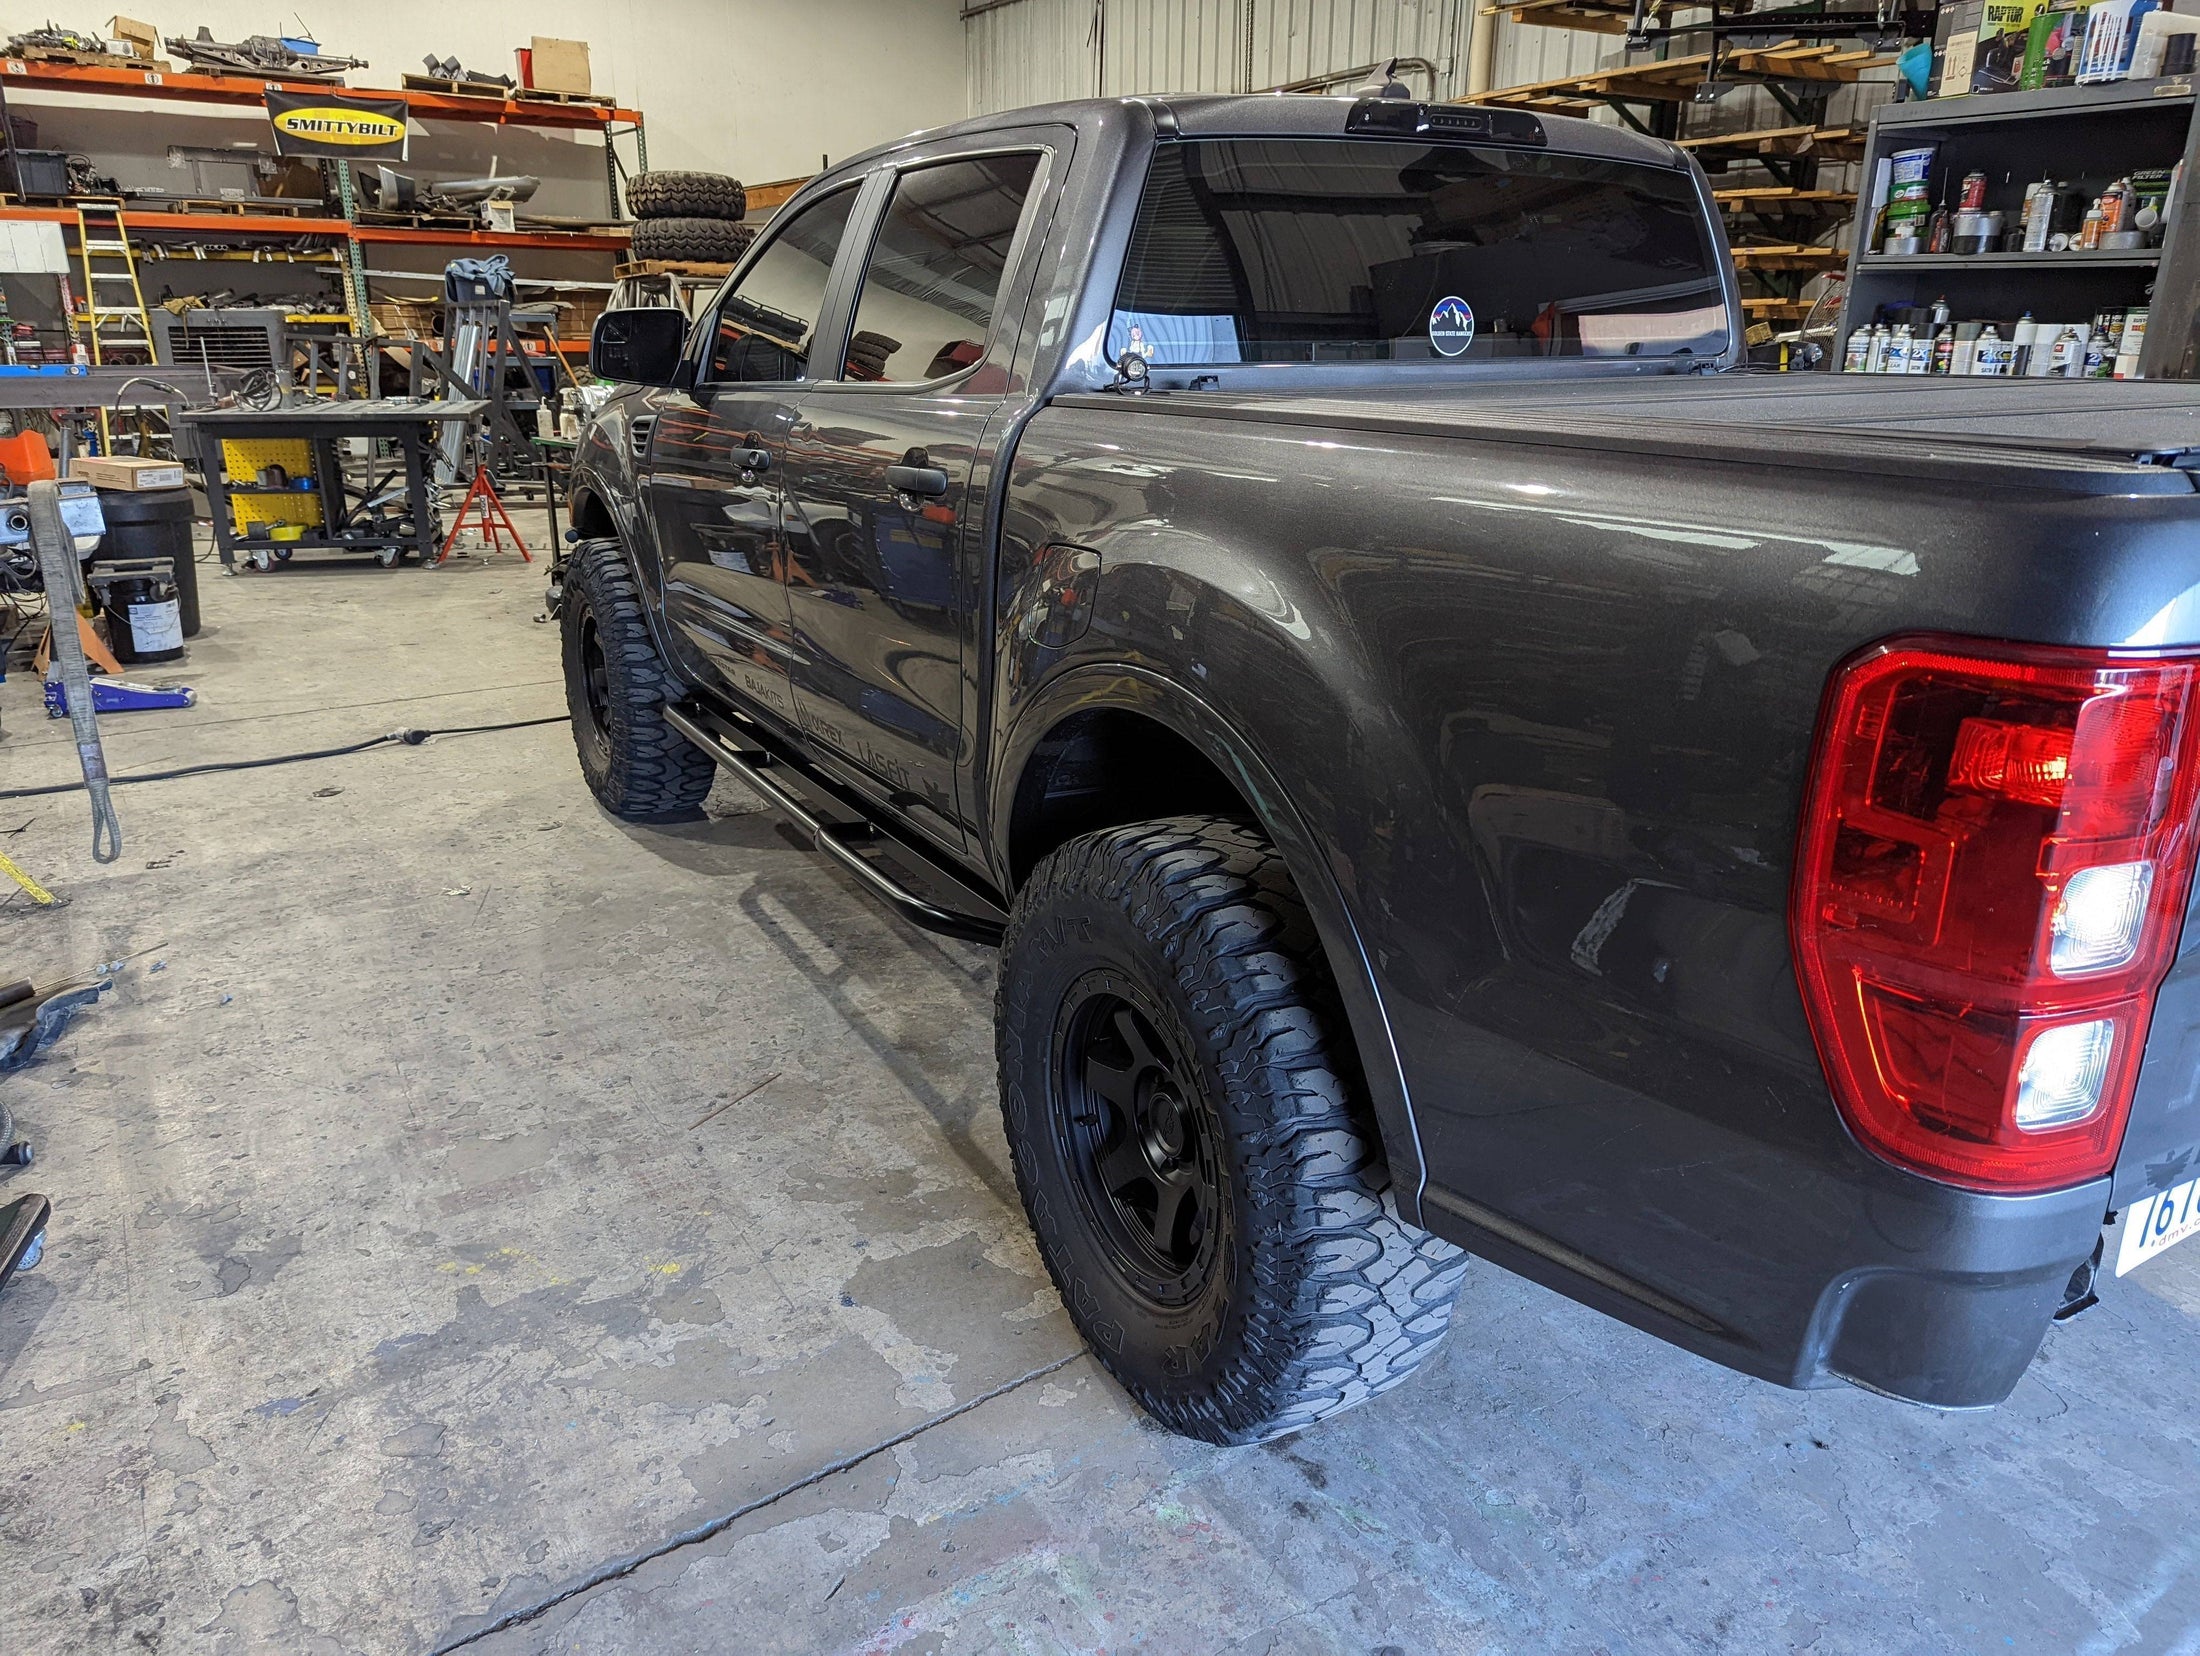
pixel 414 427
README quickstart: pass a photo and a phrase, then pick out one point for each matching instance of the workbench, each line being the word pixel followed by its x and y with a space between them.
pixel 334 516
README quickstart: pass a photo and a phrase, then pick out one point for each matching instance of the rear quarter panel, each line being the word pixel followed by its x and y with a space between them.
pixel 1547 710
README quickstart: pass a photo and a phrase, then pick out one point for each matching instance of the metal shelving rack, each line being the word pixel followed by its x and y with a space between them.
pixel 1781 229
pixel 347 236
pixel 2015 138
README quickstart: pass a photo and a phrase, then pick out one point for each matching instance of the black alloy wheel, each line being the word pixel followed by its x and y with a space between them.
pixel 1141 1140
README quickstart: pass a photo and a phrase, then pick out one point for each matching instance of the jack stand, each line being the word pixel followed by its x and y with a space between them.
pixel 491 518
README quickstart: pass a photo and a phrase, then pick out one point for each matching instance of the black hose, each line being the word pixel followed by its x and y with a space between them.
pixel 408 738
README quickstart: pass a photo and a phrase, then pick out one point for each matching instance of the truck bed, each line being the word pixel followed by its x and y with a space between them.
pixel 2085 436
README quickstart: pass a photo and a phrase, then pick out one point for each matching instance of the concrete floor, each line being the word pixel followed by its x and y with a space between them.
pixel 473 1214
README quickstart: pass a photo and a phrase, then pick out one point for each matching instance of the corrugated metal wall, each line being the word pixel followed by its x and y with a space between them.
pixel 1031 51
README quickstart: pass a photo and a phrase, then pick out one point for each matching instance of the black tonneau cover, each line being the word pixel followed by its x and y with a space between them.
pixel 2087 436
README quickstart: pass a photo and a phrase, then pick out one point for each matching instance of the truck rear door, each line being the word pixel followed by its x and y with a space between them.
pixel 885 473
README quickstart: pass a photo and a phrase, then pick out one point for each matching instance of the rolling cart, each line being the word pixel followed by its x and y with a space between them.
pixel 276 480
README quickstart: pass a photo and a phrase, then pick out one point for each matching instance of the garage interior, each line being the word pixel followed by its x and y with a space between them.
pixel 465 1220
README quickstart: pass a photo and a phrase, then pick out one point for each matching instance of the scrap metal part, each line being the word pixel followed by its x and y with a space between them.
pixel 256 55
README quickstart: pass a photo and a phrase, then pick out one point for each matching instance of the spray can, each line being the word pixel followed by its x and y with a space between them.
pixel 1973 197
pixel 1875 355
pixel 1858 348
pixel 1992 358
pixel 1944 349
pixel 2069 353
pixel 2022 343
pixel 2100 355
pixel 1898 350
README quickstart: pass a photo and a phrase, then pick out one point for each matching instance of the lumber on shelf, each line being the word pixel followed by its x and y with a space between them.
pixel 1789 256
pixel 1777 198
pixel 1824 143
pixel 1594 16
pixel 1675 80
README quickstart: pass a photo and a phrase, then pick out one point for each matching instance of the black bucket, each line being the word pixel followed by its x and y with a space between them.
pixel 143 619
pixel 153 523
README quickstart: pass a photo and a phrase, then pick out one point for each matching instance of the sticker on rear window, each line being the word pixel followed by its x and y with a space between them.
pixel 1451 326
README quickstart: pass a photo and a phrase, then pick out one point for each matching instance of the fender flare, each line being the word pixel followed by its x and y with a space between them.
pixel 1095 686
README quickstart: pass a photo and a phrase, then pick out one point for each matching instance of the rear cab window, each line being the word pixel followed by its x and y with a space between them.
pixel 1353 249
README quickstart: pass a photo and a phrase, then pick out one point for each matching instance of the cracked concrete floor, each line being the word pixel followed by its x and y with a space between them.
pixel 427 1253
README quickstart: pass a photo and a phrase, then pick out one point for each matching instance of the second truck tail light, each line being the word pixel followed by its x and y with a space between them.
pixel 1996 851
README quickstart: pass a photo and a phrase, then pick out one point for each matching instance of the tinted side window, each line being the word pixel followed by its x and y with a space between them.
pixel 764 325
pixel 936 268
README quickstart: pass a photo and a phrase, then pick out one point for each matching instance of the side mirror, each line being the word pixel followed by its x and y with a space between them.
pixel 638 347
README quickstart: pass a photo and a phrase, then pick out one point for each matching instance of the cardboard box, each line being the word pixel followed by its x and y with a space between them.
pixel 2051 49
pixel 560 65
pixel 1961 20
pixel 116 472
pixel 132 38
pixel 2004 31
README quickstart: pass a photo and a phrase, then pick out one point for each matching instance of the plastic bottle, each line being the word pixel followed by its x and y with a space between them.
pixel 1858 348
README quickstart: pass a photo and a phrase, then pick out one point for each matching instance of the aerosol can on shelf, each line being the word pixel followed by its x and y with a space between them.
pixel 2069 353
pixel 1899 348
pixel 1944 349
pixel 1994 354
pixel 1875 354
pixel 2100 354
pixel 1858 350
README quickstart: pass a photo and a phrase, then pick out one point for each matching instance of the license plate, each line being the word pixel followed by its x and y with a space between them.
pixel 2159 1221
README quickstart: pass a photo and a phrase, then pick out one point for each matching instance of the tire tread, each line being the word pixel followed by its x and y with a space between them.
pixel 654 771
pixel 1350 1299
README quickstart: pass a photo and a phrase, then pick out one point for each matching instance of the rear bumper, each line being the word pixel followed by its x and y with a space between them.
pixel 1941 1298
pixel 1954 1321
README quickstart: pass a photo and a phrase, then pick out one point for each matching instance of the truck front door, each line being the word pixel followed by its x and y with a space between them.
pixel 883 520
pixel 717 454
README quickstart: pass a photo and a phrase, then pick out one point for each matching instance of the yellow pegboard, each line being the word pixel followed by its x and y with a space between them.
pixel 242 458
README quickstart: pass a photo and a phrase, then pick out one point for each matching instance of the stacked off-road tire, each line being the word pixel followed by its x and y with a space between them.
pixel 690 217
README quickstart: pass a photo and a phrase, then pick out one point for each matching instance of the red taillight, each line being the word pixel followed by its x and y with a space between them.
pixel 1996 850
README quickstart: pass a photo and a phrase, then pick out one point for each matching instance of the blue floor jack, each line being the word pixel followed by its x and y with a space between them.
pixel 120 696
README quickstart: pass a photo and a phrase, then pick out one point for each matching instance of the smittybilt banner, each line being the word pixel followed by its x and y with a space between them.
pixel 333 126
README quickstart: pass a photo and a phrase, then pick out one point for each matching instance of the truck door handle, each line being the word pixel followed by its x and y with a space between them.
pixel 750 459
pixel 928 482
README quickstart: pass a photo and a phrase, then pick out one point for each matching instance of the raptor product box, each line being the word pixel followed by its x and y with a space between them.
pixel 2004 33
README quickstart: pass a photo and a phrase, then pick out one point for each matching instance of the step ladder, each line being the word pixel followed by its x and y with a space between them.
pixel 112 309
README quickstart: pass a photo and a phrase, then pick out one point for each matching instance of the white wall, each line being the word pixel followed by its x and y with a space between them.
pixel 1035 51
pixel 758 88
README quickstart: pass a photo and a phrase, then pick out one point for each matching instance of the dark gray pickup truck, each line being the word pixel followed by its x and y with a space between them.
pixel 1451 761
